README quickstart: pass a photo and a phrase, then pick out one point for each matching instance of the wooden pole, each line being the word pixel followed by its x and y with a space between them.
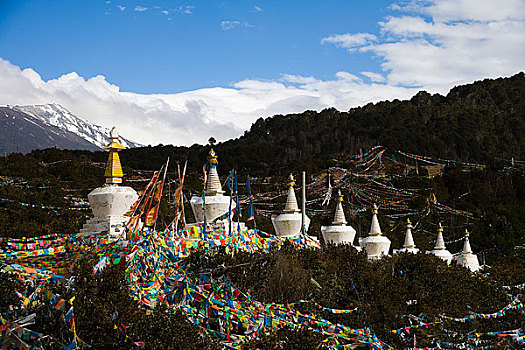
pixel 303 211
pixel 161 189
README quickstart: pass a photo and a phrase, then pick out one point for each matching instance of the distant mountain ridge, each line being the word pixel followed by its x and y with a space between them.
pixel 25 128
pixel 56 115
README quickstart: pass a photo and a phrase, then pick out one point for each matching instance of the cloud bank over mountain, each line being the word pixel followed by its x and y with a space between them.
pixel 193 116
pixel 431 45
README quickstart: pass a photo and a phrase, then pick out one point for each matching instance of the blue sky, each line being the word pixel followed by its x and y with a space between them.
pixel 185 48
pixel 180 72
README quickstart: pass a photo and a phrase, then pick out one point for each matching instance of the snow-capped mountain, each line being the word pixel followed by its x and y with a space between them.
pixel 26 128
pixel 57 116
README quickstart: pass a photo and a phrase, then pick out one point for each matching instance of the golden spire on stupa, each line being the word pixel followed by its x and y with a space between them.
pixel 291 181
pixel 212 158
pixel 113 172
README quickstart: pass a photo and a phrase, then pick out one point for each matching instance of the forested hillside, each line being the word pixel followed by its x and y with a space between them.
pixel 476 122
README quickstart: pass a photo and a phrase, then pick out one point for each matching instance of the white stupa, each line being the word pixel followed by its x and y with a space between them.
pixel 111 201
pixel 375 244
pixel 466 258
pixel 440 250
pixel 409 246
pixel 288 223
pixel 339 232
pixel 216 204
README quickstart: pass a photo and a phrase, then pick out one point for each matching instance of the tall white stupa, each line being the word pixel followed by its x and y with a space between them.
pixel 375 244
pixel 216 204
pixel 466 258
pixel 288 223
pixel 339 232
pixel 110 202
pixel 440 250
pixel 409 246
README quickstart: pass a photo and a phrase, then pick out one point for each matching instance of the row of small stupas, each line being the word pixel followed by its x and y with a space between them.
pixel 111 201
pixel 288 223
pixel 376 245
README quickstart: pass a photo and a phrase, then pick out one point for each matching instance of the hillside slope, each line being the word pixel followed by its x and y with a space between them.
pixel 476 122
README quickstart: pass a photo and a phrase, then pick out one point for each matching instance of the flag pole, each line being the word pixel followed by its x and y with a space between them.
pixel 204 200
pixel 160 197
pixel 303 211
pixel 238 206
pixel 182 197
pixel 251 213
pixel 230 185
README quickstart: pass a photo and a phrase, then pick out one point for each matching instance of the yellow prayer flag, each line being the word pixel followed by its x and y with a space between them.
pixel 151 216
pixel 158 192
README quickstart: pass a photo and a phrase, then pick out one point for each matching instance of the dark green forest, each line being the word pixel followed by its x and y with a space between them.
pixel 479 122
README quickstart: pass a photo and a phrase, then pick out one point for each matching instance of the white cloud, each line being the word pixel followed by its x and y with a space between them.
pixel 164 12
pixel 121 8
pixel 347 76
pixel 185 10
pixel 140 8
pixel 375 77
pixel 227 25
pixel 475 10
pixel 258 85
pixel 257 9
pixel 193 116
pixel 349 41
pixel 437 44
pixel 297 79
